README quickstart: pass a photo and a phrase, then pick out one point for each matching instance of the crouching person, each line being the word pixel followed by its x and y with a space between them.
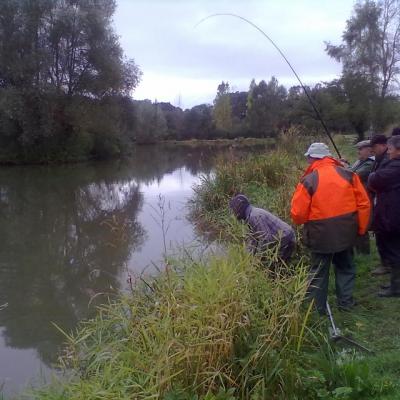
pixel 334 207
pixel 265 229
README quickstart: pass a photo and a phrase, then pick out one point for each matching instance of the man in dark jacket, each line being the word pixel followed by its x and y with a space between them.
pixel 266 229
pixel 380 150
pixel 385 182
pixel 362 167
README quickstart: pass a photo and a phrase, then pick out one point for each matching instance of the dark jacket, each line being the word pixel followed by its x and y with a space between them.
pixel 363 168
pixel 380 161
pixel 385 182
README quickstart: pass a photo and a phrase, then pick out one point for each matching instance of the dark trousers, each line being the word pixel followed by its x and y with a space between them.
pixel 389 248
pixel 345 274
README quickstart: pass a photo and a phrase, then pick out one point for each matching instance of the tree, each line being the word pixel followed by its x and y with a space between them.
pixel 198 122
pixel 151 125
pixel 370 50
pixel 222 112
pixel 174 118
pixel 265 107
pixel 54 56
pixel 360 99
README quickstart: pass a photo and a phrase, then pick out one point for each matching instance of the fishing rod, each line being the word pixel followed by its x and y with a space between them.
pixel 287 62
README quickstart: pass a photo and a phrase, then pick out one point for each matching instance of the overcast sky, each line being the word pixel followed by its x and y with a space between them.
pixel 183 65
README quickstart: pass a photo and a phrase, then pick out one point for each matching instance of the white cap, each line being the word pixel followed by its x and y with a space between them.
pixel 318 150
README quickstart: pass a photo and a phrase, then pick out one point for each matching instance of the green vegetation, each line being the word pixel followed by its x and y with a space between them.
pixel 267 179
pixel 65 87
pixel 269 182
pixel 195 329
pixel 220 330
pixel 226 327
pixel 64 82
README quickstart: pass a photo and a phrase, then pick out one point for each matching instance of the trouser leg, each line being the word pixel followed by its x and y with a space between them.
pixel 319 280
pixel 382 246
pixel 345 275
pixel 390 247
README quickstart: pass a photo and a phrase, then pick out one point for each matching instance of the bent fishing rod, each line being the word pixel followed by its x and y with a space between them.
pixel 287 62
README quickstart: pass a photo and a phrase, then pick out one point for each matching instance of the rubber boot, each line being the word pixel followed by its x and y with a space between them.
pixel 381 270
pixel 394 289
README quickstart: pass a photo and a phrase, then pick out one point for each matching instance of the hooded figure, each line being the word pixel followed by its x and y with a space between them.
pixel 265 228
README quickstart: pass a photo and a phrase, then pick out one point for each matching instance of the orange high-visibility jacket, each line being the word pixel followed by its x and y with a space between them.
pixel 332 204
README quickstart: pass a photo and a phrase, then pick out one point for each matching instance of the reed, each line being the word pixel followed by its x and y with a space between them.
pixel 195 328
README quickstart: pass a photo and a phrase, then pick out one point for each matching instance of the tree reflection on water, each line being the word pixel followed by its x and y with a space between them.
pixel 64 237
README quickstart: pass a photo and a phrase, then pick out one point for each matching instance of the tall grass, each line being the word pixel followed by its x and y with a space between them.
pixel 196 328
pixel 268 179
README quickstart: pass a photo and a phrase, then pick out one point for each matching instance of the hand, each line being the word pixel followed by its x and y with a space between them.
pixel 344 162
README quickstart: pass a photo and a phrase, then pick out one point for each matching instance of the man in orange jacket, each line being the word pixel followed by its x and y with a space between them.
pixel 334 207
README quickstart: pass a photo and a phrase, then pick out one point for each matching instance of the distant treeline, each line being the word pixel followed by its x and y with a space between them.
pixel 65 86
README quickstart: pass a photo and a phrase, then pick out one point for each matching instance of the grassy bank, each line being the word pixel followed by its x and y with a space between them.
pixel 215 330
pixel 269 182
pixel 224 328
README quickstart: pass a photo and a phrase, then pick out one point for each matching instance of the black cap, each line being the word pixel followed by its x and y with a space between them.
pixel 378 139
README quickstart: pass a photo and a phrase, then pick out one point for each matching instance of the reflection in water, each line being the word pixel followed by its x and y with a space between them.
pixel 70 232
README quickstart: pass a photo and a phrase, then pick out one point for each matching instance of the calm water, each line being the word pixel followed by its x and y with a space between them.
pixel 70 232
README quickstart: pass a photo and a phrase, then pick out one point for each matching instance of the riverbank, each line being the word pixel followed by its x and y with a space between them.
pixel 242 141
pixel 132 150
pixel 221 328
pixel 374 321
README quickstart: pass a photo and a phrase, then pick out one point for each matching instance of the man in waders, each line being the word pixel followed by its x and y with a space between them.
pixel 334 207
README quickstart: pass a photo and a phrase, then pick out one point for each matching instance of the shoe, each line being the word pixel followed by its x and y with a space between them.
pixel 381 270
pixel 389 292
pixel 394 289
pixel 347 307
pixel 385 286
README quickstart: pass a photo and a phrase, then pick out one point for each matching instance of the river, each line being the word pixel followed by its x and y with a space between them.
pixel 72 233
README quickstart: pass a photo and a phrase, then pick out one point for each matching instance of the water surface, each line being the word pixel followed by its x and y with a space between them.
pixel 68 233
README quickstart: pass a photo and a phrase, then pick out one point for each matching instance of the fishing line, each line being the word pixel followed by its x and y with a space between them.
pixel 287 62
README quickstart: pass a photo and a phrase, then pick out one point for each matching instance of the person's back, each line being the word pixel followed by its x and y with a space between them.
pixel 386 184
pixel 267 229
pixel 326 203
pixel 334 207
